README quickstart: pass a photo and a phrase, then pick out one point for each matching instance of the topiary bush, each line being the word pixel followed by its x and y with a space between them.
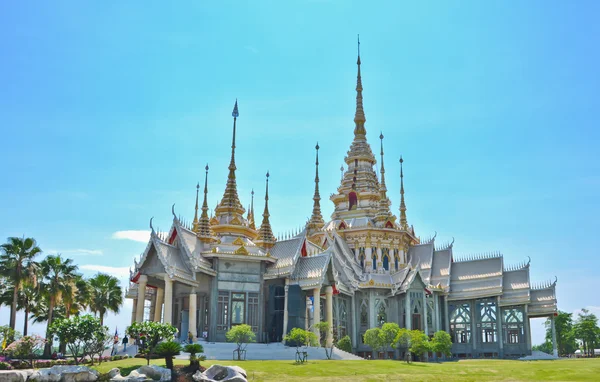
pixel 168 349
pixel 194 349
pixel 345 344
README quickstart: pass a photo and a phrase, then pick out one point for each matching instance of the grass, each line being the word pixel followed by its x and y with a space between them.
pixel 346 371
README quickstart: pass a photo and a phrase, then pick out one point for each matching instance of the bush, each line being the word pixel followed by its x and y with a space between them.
pixel 345 344
pixel 193 349
pixel 26 348
pixel 5 366
pixel 169 350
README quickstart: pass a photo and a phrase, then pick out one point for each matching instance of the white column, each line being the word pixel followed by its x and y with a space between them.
pixel 285 309
pixel 436 312
pixel 133 310
pixel 408 313
pixel 369 258
pixel 425 308
pixel 139 312
pixel 500 329
pixel 160 294
pixel 168 315
pixel 554 347
pixel 329 304
pixel 193 312
pixel 317 310
pixel 447 314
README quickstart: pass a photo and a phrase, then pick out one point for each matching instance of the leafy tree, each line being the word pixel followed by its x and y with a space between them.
pixel 403 340
pixel 26 348
pixel 565 334
pixel 7 335
pixel 168 349
pixel 345 344
pixel 388 334
pixel 58 274
pixel 419 343
pixel 150 334
pixel 373 339
pixel 194 349
pixel 83 335
pixel 300 337
pixel 105 294
pixel 442 343
pixel 545 347
pixel 324 330
pixel 586 330
pixel 241 335
pixel 16 258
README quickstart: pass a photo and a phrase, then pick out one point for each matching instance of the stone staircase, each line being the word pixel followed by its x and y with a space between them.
pixel 537 355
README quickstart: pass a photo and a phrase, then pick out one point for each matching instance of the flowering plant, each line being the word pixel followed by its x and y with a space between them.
pixel 26 347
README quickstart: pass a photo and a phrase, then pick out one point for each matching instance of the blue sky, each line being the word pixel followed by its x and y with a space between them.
pixel 110 110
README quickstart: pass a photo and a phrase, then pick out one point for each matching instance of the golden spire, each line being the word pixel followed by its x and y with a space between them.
pixel 359 116
pixel 195 222
pixel 382 186
pixel 316 220
pixel 251 222
pixel 230 204
pixel 403 222
pixel 204 232
pixel 384 204
pixel 265 233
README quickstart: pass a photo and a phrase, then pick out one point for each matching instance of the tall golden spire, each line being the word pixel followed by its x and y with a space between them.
pixel 230 204
pixel 382 186
pixel 195 222
pixel 316 220
pixel 384 204
pixel 265 233
pixel 204 232
pixel 359 116
pixel 251 222
pixel 403 222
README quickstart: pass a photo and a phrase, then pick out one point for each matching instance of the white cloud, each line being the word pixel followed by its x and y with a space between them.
pixel 141 236
pixel 119 272
pixel 77 252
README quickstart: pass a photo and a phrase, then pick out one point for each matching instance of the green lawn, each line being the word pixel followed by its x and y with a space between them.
pixel 338 371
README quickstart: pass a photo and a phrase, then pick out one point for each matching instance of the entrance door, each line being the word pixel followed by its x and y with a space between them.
pixel 185 324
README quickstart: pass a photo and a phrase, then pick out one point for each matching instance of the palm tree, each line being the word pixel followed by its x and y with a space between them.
pixel 17 256
pixel 59 274
pixel 105 295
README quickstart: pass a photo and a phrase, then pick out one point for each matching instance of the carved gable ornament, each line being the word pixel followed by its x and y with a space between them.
pixel 241 251
pixel 238 241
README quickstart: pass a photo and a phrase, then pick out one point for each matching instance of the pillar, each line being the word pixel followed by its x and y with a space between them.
pixel 316 310
pixel 354 326
pixel 133 310
pixel 160 294
pixel 139 309
pixel 306 314
pixel 527 329
pixel 408 313
pixel 554 347
pixel 499 317
pixel 193 313
pixel 474 332
pixel 329 304
pixel 446 314
pixel 168 315
pixel 369 258
pixel 436 313
pixel 285 309
pixel 425 311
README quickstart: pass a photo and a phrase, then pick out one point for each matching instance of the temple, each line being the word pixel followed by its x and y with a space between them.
pixel 362 268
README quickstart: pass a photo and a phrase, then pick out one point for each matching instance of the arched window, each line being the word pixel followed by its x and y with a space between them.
pixel 396 261
pixel 374 256
pixel 361 257
pixel 385 258
pixel 353 201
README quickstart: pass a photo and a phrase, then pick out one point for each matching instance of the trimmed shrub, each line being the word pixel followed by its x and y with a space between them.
pixel 345 344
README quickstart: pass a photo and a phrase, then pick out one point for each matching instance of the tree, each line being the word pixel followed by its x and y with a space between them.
pixel 442 343
pixel 105 294
pixel 16 257
pixel 168 349
pixel 565 335
pixel 586 330
pixel 403 340
pixel 58 274
pixel 7 336
pixel 194 349
pixel 83 335
pixel 373 339
pixel 299 337
pixel 241 335
pixel 151 333
pixel 545 347
pixel 419 343
pixel 324 330
pixel 388 334
pixel 26 348
pixel 345 344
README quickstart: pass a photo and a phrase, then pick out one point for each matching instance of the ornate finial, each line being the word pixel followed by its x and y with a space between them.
pixel 265 233
pixel 359 116
pixel 251 222
pixel 230 204
pixel 195 222
pixel 403 222
pixel 151 227
pixel 316 220
pixel 342 171
pixel 202 228
pixel 383 214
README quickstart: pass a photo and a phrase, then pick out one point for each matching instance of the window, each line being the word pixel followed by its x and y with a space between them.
pixel 238 308
pixel 488 317
pixel 513 325
pixel 364 314
pixel 396 259
pixel 361 256
pixel 385 257
pixel 460 323
pixel 340 316
pixel 374 257
pixel 353 201
pixel 223 311
pixel 147 308
pixel 381 312
pixel 253 311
